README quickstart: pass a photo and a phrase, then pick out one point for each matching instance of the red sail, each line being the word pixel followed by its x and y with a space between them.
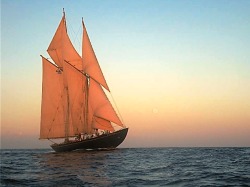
pixel 90 63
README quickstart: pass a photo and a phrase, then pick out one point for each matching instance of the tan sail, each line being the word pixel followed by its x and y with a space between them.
pixel 100 104
pixel 90 63
pixel 99 123
pixel 52 115
pixel 76 88
pixel 61 48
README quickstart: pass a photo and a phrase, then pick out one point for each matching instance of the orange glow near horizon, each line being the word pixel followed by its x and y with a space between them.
pixel 179 75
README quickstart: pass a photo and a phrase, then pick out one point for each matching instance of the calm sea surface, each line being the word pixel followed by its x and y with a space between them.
pixel 127 167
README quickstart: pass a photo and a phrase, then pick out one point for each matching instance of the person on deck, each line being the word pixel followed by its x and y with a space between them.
pixel 96 132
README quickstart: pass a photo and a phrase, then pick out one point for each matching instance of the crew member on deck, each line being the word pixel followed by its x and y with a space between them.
pixel 96 132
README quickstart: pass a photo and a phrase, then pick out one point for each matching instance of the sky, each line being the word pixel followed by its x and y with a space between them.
pixel 179 71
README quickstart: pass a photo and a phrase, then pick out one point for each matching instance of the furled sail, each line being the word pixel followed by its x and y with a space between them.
pixel 52 114
pixel 61 48
pixel 90 63
pixel 100 104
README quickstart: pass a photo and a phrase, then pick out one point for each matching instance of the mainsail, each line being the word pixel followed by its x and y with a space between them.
pixel 73 99
pixel 76 83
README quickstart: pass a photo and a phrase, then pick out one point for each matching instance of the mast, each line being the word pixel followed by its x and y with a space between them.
pixel 67 115
pixel 66 110
pixel 86 103
pixel 86 111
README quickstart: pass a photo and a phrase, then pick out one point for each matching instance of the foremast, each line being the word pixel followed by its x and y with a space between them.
pixel 67 114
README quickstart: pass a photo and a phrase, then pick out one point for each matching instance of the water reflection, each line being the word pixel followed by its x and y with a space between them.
pixel 76 168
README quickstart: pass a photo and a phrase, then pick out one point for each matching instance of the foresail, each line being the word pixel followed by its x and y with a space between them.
pixel 52 115
pixel 100 104
pixel 90 63
pixel 61 48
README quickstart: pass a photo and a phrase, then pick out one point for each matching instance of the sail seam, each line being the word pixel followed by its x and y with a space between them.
pixel 53 120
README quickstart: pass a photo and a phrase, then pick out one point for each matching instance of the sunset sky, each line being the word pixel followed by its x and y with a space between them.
pixel 179 70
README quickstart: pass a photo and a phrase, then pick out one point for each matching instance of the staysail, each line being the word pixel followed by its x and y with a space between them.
pixel 99 123
pixel 100 104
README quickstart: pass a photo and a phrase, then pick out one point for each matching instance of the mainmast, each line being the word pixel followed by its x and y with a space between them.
pixel 86 111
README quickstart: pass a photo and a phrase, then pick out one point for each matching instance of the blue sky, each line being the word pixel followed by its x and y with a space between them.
pixel 184 59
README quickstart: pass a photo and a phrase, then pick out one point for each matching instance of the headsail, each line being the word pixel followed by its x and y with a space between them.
pixel 90 63
pixel 99 123
pixel 100 104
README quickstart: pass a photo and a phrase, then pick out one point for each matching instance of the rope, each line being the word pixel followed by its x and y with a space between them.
pixel 75 35
pixel 117 109
pixel 51 141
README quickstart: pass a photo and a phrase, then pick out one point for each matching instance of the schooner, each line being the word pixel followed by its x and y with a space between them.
pixel 74 105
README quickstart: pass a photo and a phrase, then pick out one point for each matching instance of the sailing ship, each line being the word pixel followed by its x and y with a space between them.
pixel 75 108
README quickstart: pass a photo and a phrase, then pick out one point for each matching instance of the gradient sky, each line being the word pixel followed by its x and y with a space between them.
pixel 179 70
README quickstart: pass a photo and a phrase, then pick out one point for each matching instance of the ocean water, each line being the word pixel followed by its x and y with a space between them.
pixel 127 167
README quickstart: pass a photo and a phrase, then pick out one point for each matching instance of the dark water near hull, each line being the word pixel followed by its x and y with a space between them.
pixel 127 167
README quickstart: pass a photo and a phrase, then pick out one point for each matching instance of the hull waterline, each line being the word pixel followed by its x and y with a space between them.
pixel 105 141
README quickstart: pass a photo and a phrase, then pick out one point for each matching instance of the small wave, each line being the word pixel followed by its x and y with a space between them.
pixel 127 167
pixel 91 180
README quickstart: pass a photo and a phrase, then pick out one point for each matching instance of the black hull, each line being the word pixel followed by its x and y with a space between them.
pixel 105 141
